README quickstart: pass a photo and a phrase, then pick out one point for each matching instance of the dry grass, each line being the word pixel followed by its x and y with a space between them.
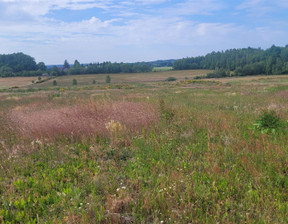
pixel 123 78
pixel 6 83
pixel 81 120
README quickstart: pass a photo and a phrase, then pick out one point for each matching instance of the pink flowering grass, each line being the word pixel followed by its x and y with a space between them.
pixel 82 119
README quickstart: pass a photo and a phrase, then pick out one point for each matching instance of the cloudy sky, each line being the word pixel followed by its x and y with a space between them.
pixel 138 30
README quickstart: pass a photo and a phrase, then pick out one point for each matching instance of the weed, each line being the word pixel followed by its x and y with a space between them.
pixel 269 122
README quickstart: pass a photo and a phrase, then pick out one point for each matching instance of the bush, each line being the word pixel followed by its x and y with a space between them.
pixel 54 83
pixel 218 73
pixel 108 79
pixel 74 82
pixel 170 79
pixel 269 122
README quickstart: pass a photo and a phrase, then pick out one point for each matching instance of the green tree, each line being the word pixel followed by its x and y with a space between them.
pixel 66 65
pixel 41 66
pixel 76 64
pixel 6 71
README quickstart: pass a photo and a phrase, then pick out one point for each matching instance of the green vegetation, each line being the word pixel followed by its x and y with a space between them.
pixel 108 79
pixel 170 79
pixel 162 69
pixel 236 62
pixel 19 64
pixel 74 82
pixel 144 151
pixel 270 122
pixel 244 62
pixel 218 73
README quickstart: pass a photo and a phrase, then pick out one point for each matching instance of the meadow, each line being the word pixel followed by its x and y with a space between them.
pixel 144 150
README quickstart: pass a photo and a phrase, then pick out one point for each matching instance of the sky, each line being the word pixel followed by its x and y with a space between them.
pixel 140 30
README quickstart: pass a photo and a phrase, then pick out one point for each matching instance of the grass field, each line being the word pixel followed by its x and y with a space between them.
pixel 6 83
pixel 144 150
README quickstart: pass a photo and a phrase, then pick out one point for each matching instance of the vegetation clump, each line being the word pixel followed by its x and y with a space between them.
pixel 74 82
pixel 170 79
pixel 269 122
pixel 108 79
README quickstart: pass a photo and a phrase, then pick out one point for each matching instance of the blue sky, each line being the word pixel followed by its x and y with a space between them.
pixel 139 30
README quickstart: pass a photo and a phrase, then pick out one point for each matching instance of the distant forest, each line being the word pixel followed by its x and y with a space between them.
pixel 242 62
pixel 19 64
pixel 236 62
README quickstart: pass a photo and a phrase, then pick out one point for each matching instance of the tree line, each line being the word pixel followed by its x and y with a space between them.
pixel 242 62
pixel 99 68
pixel 238 62
pixel 19 64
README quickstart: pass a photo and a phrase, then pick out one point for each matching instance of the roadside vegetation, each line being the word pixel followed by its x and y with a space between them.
pixel 144 150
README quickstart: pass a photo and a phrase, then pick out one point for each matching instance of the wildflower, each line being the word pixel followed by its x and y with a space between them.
pixel 114 127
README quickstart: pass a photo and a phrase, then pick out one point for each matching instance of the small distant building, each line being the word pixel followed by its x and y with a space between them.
pixel 45 75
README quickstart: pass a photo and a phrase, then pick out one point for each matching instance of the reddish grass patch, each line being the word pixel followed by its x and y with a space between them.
pixel 81 120
pixel 283 93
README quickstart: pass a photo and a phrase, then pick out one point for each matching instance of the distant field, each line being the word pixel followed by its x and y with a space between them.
pixel 6 83
pixel 161 69
pixel 100 78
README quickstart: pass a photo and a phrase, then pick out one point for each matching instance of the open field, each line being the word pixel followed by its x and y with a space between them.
pixel 65 81
pixel 6 83
pixel 144 150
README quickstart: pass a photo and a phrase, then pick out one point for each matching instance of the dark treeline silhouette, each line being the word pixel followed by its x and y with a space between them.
pixel 243 62
pixel 237 62
pixel 109 68
pixel 19 64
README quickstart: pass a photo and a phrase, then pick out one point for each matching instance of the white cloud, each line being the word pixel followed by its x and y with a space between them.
pixel 126 32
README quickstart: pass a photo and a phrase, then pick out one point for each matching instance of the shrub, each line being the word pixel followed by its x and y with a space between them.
pixel 108 79
pixel 54 83
pixel 218 73
pixel 74 82
pixel 269 122
pixel 170 79
pixel 94 82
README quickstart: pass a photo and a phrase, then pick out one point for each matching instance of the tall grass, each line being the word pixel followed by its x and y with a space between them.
pixel 82 119
pixel 192 157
